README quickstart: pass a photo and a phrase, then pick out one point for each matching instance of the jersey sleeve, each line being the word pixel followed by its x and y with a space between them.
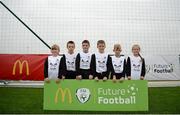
pixel 111 68
pixel 46 68
pixel 78 64
pixel 128 67
pixel 63 62
pixel 124 69
pixel 108 66
pixel 60 69
pixel 143 72
pixel 93 65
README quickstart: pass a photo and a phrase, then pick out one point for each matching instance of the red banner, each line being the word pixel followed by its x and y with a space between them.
pixel 22 66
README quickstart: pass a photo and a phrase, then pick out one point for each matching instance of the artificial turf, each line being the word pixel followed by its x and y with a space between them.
pixel 30 100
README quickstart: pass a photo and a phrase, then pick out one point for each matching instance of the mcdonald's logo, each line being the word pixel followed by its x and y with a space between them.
pixel 18 62
pixel 63 93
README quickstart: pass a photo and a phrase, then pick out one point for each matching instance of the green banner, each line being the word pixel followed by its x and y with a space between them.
pixel 90 95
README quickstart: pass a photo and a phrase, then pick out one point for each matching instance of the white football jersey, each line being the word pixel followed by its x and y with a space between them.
pixel 53 66
pixel 118 63
pixel 101 61
pixel 71 61
pixel 136 67
pixel 85 60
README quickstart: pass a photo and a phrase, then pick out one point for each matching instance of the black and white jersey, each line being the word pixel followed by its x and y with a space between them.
pixel 85 60
pixel 100 65
pixel 52 67
pixel 135 67
pixel 101 62
pixel 70 61
pixel 118 63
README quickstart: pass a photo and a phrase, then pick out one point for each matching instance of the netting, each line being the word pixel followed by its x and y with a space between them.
pixel 154 24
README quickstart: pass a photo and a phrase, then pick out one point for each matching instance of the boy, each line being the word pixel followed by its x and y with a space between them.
pixel 53 65
pixel 69 59
pixel 83 62
pixel 100 62
pixel 118 64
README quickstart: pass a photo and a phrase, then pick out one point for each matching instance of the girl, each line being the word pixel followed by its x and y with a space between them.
pixel 135 64
pixel 53 65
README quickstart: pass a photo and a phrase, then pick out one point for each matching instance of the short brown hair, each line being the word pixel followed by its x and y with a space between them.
pixel 85 41
pixel 101 42
pixel 70 42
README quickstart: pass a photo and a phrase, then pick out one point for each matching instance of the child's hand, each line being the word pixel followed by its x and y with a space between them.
pixel 96 78
pixel 90 77
pixel 114 78
pixel 63 77
pixel 47 80
pixel 129 77
pixel 105 78
pixel 141 78
pixel 57 80
pixel 79 77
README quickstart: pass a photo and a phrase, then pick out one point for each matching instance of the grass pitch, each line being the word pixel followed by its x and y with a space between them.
pixel 30 100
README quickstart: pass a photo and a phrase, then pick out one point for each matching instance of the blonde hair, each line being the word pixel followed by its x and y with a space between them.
pixel 55 46
pixel 137 45
pixel 117 46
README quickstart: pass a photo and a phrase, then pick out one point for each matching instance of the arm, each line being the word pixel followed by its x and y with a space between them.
pixel 128 68
pixel 46 68
pixel 143 72
pixel 111 68
pixel 60 69
pixel 93 65
pixel 63 62
pixel 108 64
pixel 78 64
pixel 124 68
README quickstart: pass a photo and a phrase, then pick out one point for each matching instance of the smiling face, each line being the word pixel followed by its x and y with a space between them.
pixel 71 48
pixel 55 50
pixel 85 47
pixel 101 47
pixel 117 49
pixel 135 50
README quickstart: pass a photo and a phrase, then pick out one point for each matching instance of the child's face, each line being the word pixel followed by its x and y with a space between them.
pixel 85 47
pixel 71 48
pixel 135 51
pixel 101 47
pixel 55 51
pixel 117 50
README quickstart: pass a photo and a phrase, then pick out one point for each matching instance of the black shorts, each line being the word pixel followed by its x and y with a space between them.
pixel 85 73
pixel 101 75
pixel 118 75
pixel 70 75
